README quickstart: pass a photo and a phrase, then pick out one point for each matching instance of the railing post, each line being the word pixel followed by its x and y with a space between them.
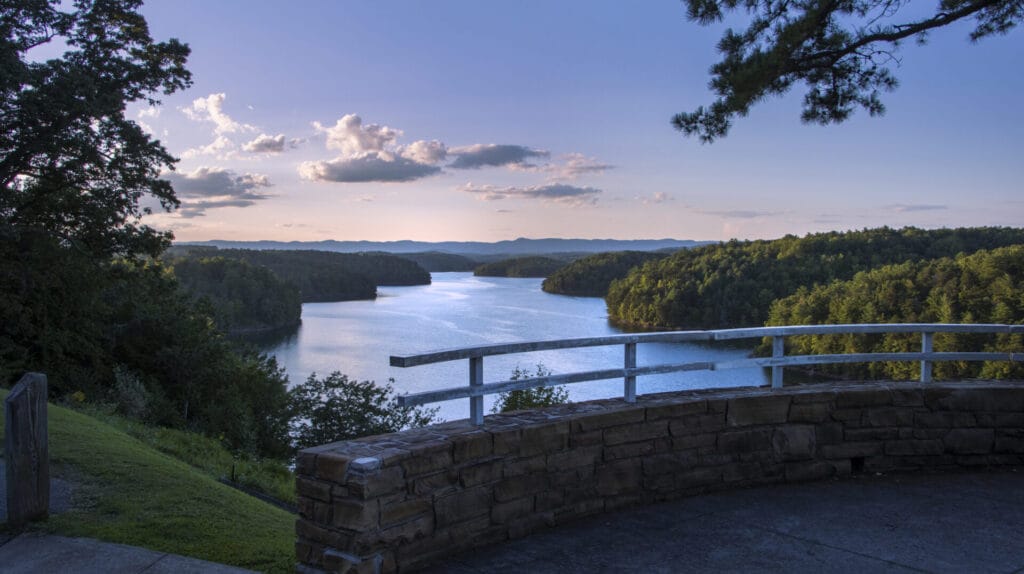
pixel 778 350
pixel 629 383
pixel 926 365
pixel 476 379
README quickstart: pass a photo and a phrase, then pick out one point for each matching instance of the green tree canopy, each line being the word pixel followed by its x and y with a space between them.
pixel 841 50
pixel 72 166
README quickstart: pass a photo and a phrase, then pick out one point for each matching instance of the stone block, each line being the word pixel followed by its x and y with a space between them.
pixel 696 424
pixel 676 410
pixel 828 433
pixel 481 473
pixel 758 410
pixel 405 510
pixel 889 417
pixel 669 463
pixel 869 397
pixel 743 441
pixel 1000 420
pixel 462 505
pixel 984 400
pixel 851 417
pixel 416 527
pixel 1009 444
pixel 625 501
pixel 378 483
pixel 809 412
pixel 794 442
pixel 315 489
pixel 635 432
pixel 803 396
pixel 622 416
pixel 907 397
pixel 519 486
pixel 848 450
pixel 549 500
pixel 437 483
pixel 544 439
pixel 913 447
pixel 530 524
pixel 694 441
pixel 969 441
pixel 926 433
pixel 428 460
pixel 355 514
pixel 588 438
pixel 741 472
pixel 573 458
pixel 944 419
pixel 619 477
pixel 530 465
pixel 809 470
pixel 472 446
pixel 629 450
pixel 505 512
pixel 699 477
pixel 871 434
pixel 506 441
pixel 331 467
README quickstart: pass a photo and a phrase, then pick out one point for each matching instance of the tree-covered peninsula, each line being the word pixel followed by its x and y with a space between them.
pixel 533 266
pixel 592 275
pixel 985 287
pixel 733 284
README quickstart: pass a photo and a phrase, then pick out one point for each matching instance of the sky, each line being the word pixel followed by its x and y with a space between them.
pixel 486 121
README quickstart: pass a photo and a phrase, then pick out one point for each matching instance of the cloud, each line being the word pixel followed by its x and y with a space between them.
pixel 739 213
pixel 379 167
pixel 216 147
pixel 147 112
pixel 577 164
pixel 905 208
pixel 212 187
pixel 657 197
pixel 349 136
pixel 493 155
pixel 211 109
pixel 425 151
pixel 265 143
pixel 553 192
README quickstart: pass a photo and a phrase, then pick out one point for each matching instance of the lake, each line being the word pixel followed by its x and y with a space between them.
pixel 460 310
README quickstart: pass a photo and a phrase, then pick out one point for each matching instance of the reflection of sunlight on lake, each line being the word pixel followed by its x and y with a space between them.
pixel 459 310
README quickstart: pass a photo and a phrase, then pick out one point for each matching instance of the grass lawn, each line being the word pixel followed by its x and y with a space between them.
pixel 132 494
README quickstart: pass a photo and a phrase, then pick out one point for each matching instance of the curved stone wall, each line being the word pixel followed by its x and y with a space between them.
pixel 394 503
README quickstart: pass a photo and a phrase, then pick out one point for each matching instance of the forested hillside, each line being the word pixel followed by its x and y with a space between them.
pixel 985 287
pixel 326 276
pixel 243 297
pixel 441 262
pixel 535 266
pixel 592 275
pixel 733 284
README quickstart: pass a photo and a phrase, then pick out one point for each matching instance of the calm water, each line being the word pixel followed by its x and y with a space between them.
pixel 459 310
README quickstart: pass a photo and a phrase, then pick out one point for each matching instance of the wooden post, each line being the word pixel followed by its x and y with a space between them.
pixel 629 384
pixel 778 350
pixel 926 365
pixel 26 451
pixel 476 379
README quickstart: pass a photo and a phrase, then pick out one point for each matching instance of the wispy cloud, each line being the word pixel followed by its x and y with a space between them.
pixel 493 155
pixel 914 207
pixel 552 192
pixel 656 198
pixel 211 187
pixel 739 213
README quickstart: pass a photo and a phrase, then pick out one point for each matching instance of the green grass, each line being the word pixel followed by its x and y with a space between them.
pixel 272 477
pixel 130 493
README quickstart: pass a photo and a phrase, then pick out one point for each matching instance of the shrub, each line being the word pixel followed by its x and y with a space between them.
pixel 530 398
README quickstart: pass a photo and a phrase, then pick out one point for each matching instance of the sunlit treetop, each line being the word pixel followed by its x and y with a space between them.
pixel 841 50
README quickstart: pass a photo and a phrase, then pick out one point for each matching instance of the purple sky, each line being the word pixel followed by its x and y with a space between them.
pixel 487 121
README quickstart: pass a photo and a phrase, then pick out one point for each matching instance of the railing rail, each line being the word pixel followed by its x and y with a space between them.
pixel 477 389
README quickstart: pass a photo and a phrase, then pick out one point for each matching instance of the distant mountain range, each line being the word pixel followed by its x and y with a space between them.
pixel 521 246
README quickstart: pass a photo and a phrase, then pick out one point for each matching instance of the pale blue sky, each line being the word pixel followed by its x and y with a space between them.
pixel 577 98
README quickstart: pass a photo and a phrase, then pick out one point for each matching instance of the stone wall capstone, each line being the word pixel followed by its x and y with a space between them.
pixel 398 502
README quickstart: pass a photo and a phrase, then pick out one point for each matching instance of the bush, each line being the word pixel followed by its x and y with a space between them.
pixel 338 408
pixel 530 398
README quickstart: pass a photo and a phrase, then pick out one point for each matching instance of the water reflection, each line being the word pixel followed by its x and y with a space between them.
pixel 458 310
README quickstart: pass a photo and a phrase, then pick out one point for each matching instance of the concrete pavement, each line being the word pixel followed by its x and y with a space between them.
pixel 963 522
pixel 34 553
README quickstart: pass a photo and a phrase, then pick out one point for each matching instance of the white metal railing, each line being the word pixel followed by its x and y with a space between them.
pixel 477 389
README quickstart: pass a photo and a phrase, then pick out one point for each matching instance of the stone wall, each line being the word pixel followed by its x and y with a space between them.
pixel 395 503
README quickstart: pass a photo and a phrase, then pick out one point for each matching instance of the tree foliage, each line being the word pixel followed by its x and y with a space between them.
pixel 530 266
pixel 985 287
pixel 338 408
pixel 72 166
pixel 243 297
pixel 592 275
pixel 841 50
pixel 733 284
pixel 535 398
